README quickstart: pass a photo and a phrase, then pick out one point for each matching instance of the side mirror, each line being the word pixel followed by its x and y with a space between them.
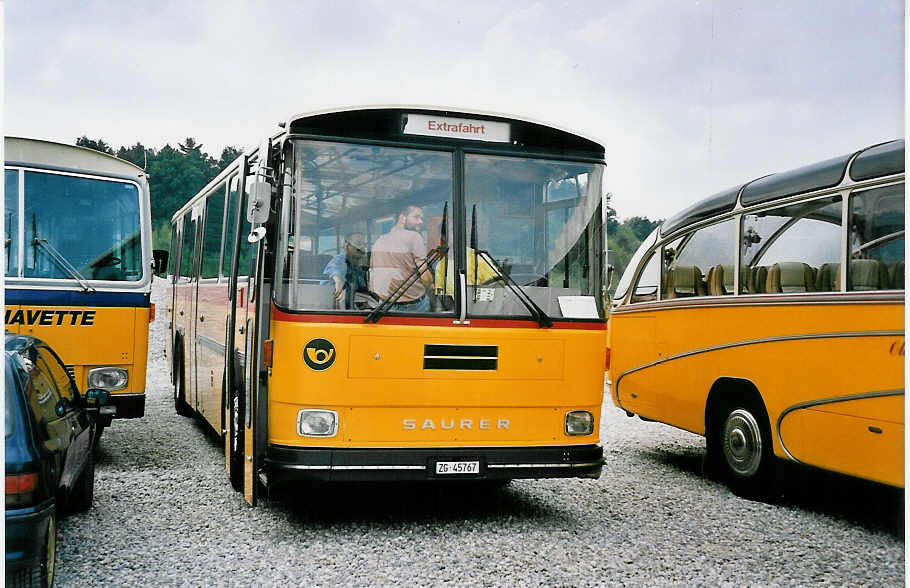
pixel 159 261
pixel 257 210
pixel 611 270
pixel 95 397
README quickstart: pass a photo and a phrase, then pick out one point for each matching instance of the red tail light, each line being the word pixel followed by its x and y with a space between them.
pixel 20 490
pixel 607 360
pixel 152 313
pixel 21 483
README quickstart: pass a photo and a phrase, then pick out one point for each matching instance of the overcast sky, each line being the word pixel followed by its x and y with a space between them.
pixel 689 97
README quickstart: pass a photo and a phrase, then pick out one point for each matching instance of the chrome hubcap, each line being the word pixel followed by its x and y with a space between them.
pixel 742 443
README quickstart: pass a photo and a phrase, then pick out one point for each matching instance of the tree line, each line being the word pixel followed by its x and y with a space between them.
pixel 174 175
pixel 177 174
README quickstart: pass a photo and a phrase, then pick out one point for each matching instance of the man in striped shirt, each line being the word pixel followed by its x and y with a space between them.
pixel 394 257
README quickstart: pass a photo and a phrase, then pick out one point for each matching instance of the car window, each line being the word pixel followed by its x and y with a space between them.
pixel 58 374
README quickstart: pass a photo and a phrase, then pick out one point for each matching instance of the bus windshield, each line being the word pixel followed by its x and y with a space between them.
pixel 91 225
pixel 627 275
pixel 364 223
pixel 540 221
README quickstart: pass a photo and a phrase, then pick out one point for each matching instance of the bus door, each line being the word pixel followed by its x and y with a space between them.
pixel 184 304
pixel 242 346
pixel 192 315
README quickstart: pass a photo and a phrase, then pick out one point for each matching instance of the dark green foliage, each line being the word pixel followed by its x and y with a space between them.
pixel 175 175
pixel 98 145
pixel 624 238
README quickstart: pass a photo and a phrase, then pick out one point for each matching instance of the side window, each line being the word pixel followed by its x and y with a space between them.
pixel 701 264
pixel 876 239
pixel 11 220
pixel 646 288
pixel 172 275
pixel 57 373
pixel 231 216
pixel 41 393
pixel 211 239
pixel 244 264
pixel 792 249
pixel 187 248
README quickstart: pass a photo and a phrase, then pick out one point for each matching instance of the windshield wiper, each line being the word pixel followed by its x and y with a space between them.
pixel 432 257
pixel 58 258
pixel 536 312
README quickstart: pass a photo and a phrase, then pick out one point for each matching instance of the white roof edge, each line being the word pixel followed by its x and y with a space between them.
pixel 79 147
pixel 441 108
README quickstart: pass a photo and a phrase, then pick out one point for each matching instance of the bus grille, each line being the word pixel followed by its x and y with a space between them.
pixel 460 357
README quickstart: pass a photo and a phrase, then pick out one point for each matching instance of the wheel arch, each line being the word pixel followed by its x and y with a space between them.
pixel 726 390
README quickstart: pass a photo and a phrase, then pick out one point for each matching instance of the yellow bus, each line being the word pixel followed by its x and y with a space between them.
pixel 396 293
pixel 78 263
pixel 770 319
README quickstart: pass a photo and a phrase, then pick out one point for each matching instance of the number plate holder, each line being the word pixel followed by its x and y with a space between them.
pixel 456 467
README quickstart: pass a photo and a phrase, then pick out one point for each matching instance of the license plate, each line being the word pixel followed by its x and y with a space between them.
pixel 457 467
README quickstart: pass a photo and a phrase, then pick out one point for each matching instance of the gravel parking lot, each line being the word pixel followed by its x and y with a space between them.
pixel 165 513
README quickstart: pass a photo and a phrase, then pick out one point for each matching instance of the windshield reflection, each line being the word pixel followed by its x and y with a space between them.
pixel 93 224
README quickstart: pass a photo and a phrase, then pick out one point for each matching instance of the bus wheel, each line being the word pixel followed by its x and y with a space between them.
pixel 743 441
pixel 235 438
pixel 180 405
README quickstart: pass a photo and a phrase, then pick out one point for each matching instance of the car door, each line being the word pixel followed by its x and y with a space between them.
pixel 74 414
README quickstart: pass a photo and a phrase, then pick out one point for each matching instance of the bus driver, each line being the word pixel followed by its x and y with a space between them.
pixel 393 259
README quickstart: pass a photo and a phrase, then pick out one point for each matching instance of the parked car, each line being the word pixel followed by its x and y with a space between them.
pixel 50 468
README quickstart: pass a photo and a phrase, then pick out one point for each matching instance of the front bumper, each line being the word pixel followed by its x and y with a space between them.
pixel 25 532
pixel 288 464
pixel 129 406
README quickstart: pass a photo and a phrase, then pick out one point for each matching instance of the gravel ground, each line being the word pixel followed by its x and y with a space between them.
pixel 164 513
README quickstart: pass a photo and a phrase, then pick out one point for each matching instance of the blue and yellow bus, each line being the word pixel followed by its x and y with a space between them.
pixel 78 263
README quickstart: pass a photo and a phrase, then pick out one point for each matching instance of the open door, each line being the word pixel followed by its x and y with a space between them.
pixel 255 420
pixel 245 413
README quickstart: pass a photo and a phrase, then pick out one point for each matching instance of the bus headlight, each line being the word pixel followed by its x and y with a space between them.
pixel 109 378
pixel 317 423
pixel 579 422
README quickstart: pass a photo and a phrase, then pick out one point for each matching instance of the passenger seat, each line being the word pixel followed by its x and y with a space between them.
pixel 684 281
pixel 897 275
pixel 755 279
pixel 867 274
pixel 720 280
pixel 828 278
pixel 788 277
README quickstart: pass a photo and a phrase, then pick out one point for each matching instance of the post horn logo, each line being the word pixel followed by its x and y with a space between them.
pixel 319 354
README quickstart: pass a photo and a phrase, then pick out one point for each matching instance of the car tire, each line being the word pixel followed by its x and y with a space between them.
pixel 42 574
pixel 180 405
pixel 236 438
pixel 83 493
pixel 742 451
pixel 99 429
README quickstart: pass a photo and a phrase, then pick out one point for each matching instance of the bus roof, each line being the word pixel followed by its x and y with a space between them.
pixel 878 160
pixel 52 155
pixel 372 121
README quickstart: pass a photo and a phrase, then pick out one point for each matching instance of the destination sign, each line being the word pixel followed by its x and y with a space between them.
pixel 457 128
